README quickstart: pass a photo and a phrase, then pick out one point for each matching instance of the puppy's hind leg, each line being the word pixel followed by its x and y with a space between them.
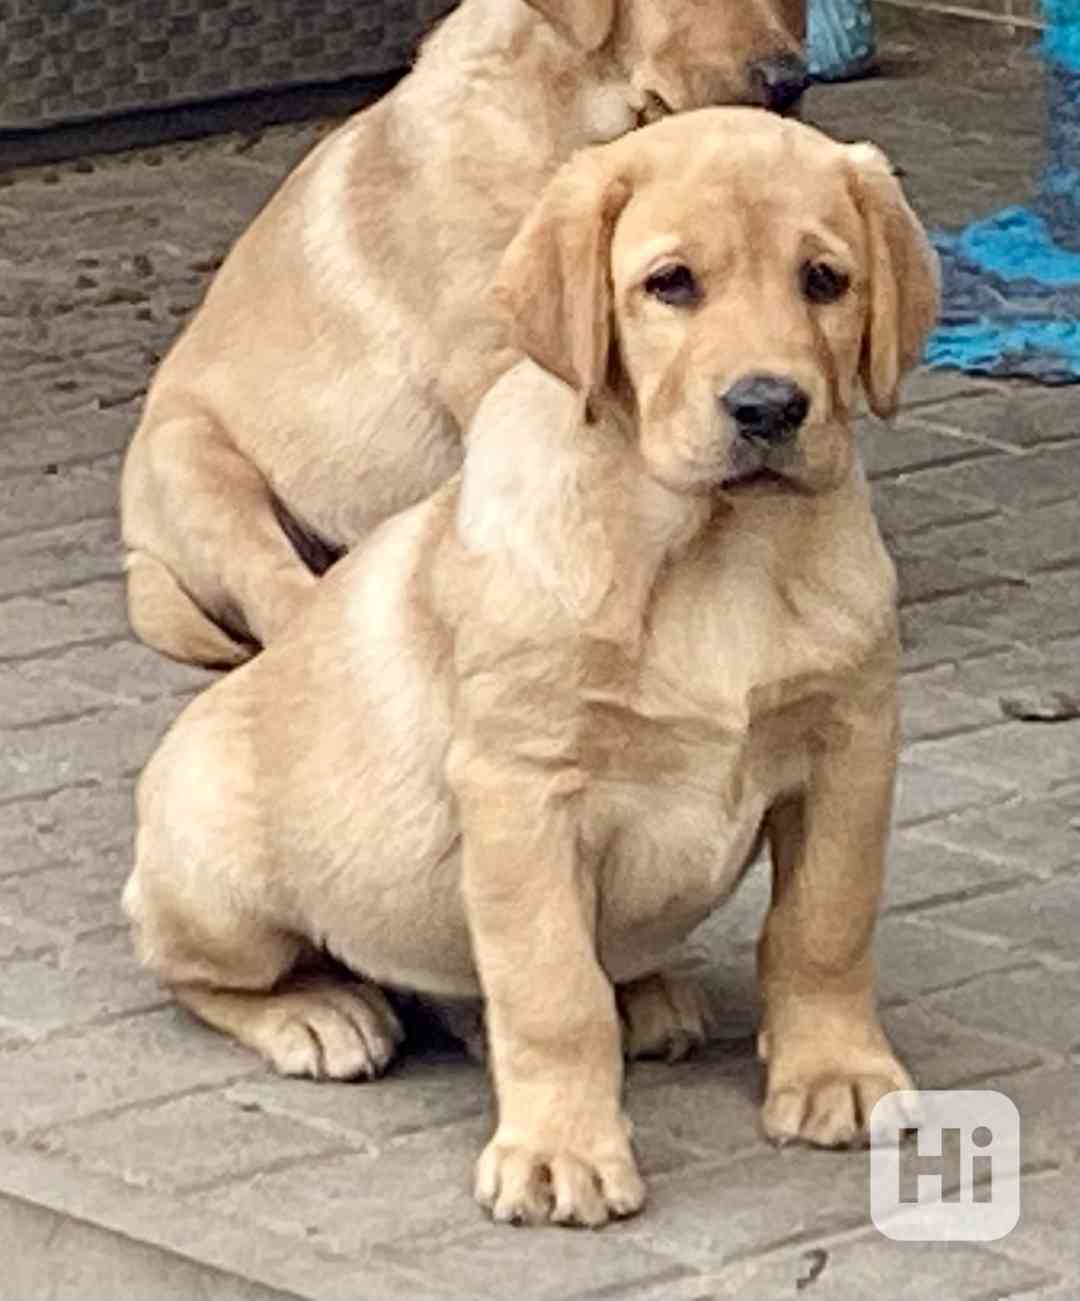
pixel 663 1015
pixel 209 922
pixel 315 1026
pixel 239 975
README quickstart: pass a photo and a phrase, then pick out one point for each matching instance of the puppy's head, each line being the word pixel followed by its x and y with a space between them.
pixel 725 278
pixel 685 54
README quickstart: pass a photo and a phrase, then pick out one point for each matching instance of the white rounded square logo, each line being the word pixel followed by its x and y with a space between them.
pixel 959 1179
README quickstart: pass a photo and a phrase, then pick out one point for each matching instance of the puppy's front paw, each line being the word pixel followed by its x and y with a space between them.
pixel 522 1184
pixel 664 1015
pixel 830 1106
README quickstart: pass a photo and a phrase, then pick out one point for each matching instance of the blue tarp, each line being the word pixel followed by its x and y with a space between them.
pixel 1011 282
pixel 1061 40
pixel 1011 301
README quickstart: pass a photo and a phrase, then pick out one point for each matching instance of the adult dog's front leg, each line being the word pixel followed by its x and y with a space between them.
pixel 561 1150
pixel 828 1059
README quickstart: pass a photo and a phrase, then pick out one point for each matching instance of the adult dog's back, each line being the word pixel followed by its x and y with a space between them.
pixel 324 380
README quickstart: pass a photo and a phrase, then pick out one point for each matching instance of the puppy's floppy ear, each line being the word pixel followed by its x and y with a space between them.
pixel 588 23
pixel 554 282
pixel 904 282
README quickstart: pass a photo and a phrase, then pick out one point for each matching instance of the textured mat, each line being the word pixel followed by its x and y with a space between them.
pixel 65 61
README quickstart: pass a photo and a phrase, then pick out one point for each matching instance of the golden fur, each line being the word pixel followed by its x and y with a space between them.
pixel 530 731
pixel 346 339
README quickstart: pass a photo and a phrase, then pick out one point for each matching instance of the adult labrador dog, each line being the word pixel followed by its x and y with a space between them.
pixel 529 733
pixel 322 385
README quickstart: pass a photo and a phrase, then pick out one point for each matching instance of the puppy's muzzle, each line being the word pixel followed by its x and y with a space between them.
pixel 780 81
pixel 766 409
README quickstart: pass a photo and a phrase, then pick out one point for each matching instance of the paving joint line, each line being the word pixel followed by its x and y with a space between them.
pixel 50 653
pixel 9 535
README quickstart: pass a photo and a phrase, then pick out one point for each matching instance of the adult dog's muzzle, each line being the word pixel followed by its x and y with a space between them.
pixel 780 81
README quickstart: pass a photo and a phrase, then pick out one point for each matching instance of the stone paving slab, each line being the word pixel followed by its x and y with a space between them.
pixel 85 1260
pixel 143 1155
pixel 855 1269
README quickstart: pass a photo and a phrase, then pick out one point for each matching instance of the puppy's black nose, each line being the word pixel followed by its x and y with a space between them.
pixel 781 81
pixel 766 407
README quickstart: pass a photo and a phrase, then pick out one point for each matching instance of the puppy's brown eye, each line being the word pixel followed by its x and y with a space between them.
pixel 674 285
pixel 822 283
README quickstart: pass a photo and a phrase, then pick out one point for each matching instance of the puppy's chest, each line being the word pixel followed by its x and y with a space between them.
pixel 685 750
pixel 704 707
pixel 681 752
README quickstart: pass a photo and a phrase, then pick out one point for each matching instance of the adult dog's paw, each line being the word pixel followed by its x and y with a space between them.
pixel 663 1015
pixel 520 1184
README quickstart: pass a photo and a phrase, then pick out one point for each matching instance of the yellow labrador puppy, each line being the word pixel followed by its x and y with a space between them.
pixel 530 732
pixel 322 385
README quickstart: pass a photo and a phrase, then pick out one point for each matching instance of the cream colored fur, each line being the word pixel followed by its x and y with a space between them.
pixel 530 731
pixel 347 338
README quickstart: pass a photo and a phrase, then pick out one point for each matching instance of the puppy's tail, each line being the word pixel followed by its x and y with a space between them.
pixel 166 618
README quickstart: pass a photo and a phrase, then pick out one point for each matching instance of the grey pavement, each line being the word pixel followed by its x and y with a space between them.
pixel 141 1155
